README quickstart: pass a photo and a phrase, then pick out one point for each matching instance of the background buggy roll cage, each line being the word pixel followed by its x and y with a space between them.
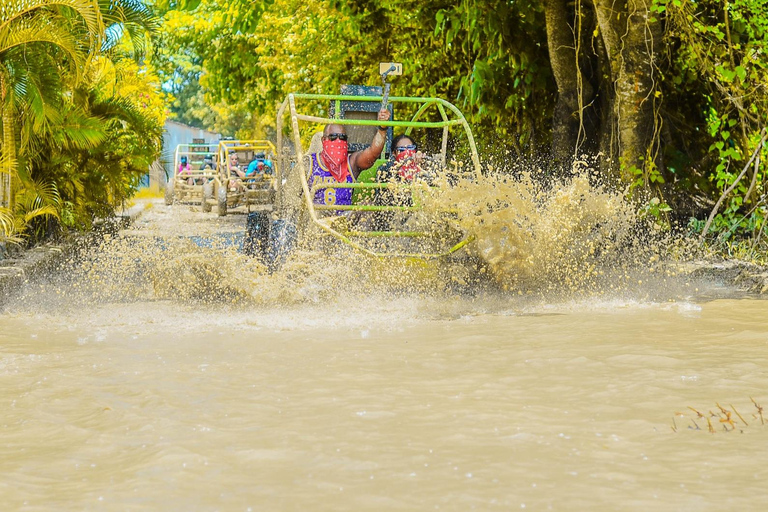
pixel 445 108
pixel 194 150
pixel 255 146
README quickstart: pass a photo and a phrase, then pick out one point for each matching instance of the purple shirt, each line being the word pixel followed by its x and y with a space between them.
pixel 329 196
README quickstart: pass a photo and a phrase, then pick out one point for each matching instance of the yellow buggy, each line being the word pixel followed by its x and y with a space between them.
pixel 236 187
pixel 194 166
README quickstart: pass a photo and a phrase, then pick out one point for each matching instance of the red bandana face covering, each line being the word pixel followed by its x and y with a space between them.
pixel 406 164
pixel 334 157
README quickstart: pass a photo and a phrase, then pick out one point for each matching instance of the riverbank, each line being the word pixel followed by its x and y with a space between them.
pixel 28 265
pixel 741 275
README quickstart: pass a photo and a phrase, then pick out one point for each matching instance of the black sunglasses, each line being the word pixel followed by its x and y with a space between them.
pixel 411 147
pixel 334 136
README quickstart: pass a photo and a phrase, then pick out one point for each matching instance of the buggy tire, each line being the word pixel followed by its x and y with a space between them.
pixel 221 200
pixel 169 194
pixel 256 239
pixel 282 238
pixel 205 205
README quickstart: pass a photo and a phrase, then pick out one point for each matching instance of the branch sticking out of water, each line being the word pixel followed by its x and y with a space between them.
pixel 739 415
pixel 759 410
pixel 725 417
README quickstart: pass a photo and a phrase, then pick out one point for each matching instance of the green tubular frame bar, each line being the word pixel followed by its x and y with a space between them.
pixel 445 109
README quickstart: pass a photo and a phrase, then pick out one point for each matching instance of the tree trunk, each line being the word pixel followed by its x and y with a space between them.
pixel 610 61
pixel 576 123
pixel 7 141
pixel 632 65
pixel 608 142
pixel 562 55
pixel 602 55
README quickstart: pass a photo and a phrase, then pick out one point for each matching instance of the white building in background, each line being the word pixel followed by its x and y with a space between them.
pixel 176 133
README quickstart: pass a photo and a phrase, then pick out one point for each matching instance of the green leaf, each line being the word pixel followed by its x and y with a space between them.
pixel 726 73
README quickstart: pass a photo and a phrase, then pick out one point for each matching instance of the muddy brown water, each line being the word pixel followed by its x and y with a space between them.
pixel 382 403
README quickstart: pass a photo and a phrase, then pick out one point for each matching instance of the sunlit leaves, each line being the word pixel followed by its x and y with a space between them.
pixel 180 5
pixel 487 56
pixel 87 118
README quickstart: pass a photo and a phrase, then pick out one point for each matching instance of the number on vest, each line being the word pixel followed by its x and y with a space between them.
pixel 330 196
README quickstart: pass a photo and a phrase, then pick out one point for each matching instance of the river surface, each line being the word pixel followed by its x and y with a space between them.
pixel 400 402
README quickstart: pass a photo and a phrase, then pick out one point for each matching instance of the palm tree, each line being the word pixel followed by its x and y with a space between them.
pixel 55 31
pixel 46 48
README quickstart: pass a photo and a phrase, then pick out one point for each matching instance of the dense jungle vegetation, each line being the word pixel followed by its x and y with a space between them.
pixel 668 96
pixel 82 111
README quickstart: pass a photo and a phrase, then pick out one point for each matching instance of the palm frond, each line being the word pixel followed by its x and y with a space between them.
pixel 125 110
pixel 37 198
pixel 43 211
pixel 42 28
pixel 128 18
pixel 38 192
pixel 8 226
pixel 79 130
pixel 38 94
pixel 13 12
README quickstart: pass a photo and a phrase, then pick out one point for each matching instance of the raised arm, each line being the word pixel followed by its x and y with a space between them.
pixel 362 160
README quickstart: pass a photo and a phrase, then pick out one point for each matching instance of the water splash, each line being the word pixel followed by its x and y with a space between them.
pixel 576 235
pixel 554 241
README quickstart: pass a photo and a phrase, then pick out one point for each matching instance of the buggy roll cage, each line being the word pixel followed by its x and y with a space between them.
pixel 225 146
pixel 198 151
pixel 450 116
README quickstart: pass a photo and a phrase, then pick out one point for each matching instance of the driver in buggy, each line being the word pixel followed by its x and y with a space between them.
pixel 208 164
pixel 185 170
pixel 183 166
pixel 334 164
pixel 259 165
pixel 236 174
pixel 234 166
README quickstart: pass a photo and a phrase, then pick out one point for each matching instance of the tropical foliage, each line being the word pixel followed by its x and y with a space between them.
pixel 81 119
pixel 669 96
pixel 669 93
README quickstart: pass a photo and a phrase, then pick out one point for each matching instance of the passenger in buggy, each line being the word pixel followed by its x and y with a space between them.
pixel 259 165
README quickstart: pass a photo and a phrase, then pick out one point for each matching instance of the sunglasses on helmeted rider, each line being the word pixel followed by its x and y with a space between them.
pixel 411 147
pixel 334 136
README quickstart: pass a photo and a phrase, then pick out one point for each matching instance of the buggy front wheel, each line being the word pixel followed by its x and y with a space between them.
pixel 221 200
pixel 207 197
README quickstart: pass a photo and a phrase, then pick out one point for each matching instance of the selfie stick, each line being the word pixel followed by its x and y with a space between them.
pixel 386 85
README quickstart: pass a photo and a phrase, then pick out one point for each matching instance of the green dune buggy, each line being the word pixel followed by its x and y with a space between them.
pixel 296 217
